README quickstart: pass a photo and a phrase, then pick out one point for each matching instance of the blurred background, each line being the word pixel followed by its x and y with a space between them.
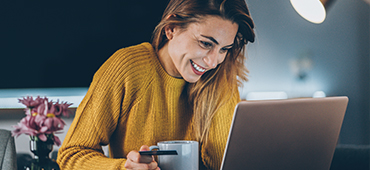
pixel 62 43
pixel 53 48
pixel 300 58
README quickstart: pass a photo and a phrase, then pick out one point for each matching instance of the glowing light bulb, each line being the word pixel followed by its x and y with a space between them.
pixel 311 10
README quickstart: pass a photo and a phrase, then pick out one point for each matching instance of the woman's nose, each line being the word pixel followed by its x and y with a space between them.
pixel 211 59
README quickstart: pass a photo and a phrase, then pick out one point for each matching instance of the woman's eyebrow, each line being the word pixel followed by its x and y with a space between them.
pixel 210 38
pixel 215 41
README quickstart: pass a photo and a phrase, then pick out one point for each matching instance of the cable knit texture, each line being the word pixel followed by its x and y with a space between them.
pixel 132 101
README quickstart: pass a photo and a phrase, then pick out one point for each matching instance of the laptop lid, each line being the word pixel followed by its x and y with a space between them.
pixel 299 134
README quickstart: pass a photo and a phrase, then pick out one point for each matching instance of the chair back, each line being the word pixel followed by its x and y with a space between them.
pixel 8 155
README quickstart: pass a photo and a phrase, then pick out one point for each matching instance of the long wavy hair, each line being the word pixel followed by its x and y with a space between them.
pixel 216 86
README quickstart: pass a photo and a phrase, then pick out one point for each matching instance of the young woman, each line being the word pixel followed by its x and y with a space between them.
pixel 182 86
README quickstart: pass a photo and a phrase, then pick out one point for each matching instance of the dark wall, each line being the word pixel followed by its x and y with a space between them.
pixel 62 43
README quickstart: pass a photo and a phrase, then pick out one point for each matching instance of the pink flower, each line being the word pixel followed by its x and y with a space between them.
pixel 29 125
pixel 62 109
pixel 30 103
pixel 42 137
pixel 43 118
pixel 57 141
pixel 53 124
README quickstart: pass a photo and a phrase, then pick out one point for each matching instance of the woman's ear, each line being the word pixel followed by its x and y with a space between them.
pixel 169 30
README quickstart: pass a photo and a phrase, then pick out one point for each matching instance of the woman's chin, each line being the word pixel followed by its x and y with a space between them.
pixel 192 79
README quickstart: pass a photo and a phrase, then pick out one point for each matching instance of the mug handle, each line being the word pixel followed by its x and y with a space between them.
pixel 153 147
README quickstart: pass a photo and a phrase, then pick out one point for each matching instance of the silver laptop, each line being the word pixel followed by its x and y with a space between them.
pixel 291 134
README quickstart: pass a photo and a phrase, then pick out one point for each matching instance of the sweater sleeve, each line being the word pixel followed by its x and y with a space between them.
pixel 95 120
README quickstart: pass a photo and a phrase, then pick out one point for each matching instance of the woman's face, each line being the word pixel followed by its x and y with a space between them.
pixel 199 48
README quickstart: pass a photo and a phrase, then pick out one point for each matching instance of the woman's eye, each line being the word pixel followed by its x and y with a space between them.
pixel 205 44
pixel 224 50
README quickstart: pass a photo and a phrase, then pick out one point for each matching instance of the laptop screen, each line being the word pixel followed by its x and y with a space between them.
pixel 284 134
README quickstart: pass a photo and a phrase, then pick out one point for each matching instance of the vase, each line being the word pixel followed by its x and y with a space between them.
pixel 41 150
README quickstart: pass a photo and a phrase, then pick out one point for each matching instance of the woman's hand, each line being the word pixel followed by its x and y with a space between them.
pixel 135 161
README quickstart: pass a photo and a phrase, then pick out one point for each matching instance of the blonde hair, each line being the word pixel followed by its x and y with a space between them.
pixel 207 95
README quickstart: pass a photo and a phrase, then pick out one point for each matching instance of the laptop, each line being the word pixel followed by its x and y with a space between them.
pixel 289 134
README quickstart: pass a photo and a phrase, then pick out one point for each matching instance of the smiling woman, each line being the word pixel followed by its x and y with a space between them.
pixel 182 86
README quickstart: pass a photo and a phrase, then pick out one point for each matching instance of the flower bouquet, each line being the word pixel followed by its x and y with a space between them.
pixel 43 119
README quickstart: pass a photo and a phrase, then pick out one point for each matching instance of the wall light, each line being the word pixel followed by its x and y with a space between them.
pixel 312 10
pixel 318 94
pixel 267 95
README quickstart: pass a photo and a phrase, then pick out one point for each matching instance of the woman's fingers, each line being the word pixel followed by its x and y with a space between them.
pixel 137 161
pixel 145 158
pixel 144 148
pixel 134 165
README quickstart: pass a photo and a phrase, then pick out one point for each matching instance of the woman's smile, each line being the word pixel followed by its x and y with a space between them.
pixel 199 70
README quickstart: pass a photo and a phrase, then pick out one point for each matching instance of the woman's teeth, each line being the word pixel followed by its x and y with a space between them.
pixel 197 67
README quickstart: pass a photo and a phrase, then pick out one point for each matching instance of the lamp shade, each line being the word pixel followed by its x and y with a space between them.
pixel 311 10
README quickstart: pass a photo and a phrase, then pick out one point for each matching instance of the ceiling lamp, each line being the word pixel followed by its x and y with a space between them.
pixel 312 10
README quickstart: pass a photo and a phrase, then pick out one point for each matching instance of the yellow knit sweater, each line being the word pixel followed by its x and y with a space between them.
pixel 131 102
